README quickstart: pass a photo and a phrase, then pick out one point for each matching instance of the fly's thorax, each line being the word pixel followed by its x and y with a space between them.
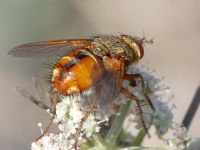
pixel 125 47
pixel 113 46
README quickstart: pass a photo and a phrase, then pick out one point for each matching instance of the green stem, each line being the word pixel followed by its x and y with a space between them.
pixel 117 124
pixel 144 148
pixel 139 138
pixel 100 144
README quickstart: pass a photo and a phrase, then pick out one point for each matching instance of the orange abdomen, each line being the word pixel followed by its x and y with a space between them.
pixel 77 71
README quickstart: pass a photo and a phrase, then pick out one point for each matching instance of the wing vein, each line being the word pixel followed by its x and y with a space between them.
pixel 47 49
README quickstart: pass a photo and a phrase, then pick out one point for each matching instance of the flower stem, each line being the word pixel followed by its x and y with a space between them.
pixel 144 148
pixel 100 144
pixel 139 138
pixel 117 124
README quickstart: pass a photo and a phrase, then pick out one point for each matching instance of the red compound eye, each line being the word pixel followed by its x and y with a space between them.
pixel 140 45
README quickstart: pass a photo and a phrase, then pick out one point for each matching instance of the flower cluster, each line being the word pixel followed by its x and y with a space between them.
pixel 53 142
pixel 181 141
pixel 69 114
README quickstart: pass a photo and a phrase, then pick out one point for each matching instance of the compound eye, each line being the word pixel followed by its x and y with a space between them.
pixel 141 49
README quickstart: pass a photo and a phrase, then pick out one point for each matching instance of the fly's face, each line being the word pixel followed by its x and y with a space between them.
pixel 135 45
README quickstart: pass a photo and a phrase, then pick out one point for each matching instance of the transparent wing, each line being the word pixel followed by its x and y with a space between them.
pixel 108 89
pixel 47 49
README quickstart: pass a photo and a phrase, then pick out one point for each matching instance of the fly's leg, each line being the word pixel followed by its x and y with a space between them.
pixel 87 113
pixel 53 111
pixel 131 78
pixel 140 112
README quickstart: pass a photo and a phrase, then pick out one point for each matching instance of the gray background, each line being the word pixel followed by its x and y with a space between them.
pixel 175 24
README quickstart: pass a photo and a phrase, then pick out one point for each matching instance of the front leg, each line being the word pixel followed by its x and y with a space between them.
pixel 131 78
pixel 134 98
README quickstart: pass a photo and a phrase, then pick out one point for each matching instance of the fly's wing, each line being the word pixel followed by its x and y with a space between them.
pixel 108 89
pixel 48 49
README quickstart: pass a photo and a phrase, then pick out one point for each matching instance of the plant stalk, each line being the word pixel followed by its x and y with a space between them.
pixel 117 124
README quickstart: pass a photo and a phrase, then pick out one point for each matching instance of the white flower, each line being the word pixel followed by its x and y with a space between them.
pixel 52 142
pixel 179 139
pixel 62 110
pixel 76 115
pixel 89 125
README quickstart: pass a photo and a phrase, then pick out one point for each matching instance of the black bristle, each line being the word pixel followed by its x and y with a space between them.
pixel 48 78
pixel 49 65
pixel 60 65
pixel 48 75
pixel 48 81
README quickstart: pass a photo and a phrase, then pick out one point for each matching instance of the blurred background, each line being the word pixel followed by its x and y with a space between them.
pixel 175 25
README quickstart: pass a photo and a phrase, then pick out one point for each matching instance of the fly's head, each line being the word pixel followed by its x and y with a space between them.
pixel 136 45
